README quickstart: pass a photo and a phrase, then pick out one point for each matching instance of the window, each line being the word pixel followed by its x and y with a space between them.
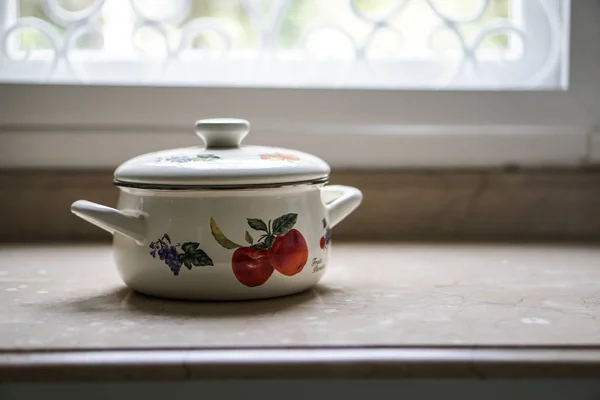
pixel 375 44
pixel 361 83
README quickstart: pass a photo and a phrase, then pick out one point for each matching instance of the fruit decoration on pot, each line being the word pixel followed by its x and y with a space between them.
pixel 279 248
pixel 280 157
pixel 326 238
pixel 191 256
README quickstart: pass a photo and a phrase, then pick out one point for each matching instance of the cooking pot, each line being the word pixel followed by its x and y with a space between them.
pixel 222 222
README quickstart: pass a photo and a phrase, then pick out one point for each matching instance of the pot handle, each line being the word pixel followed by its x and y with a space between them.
pixel 340 201
pixel 111 220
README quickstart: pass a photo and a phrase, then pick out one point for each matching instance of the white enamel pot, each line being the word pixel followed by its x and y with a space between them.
pixel 222 222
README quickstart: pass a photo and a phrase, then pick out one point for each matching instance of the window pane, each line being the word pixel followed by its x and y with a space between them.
pixel 384 44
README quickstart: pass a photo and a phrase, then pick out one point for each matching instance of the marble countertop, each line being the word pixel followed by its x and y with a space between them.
pixel 412 303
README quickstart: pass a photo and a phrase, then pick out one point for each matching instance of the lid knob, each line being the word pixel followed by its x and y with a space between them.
pixel 222 132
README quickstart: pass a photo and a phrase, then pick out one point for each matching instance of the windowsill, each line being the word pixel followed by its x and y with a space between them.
pixel 380 311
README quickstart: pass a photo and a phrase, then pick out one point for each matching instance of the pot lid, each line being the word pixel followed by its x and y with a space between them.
pixel 224 161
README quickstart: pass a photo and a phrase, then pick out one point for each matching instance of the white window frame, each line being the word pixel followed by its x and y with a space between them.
pixel 102 126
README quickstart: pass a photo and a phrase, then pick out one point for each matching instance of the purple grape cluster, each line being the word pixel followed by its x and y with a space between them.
pixel 327 235
pixel 166 253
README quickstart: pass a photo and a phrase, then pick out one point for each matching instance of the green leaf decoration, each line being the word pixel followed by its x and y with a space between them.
pixel 266 244
pixel 257 224
pixel 196 258
pixel 167 237
pixel 220 237
pixel 189 246
pixel 269 241
pixel 207 157
pixel 180 257
pixel 201 259
pixel 283 224
pixel 249 238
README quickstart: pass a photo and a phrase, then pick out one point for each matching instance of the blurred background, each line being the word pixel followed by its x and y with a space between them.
pixel 479 117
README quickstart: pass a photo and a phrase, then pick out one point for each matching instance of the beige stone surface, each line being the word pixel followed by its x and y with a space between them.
pixel 71 297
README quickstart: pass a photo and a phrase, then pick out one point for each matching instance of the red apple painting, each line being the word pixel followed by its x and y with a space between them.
pixel 289 253
pixel 250 266
pixel 279 248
